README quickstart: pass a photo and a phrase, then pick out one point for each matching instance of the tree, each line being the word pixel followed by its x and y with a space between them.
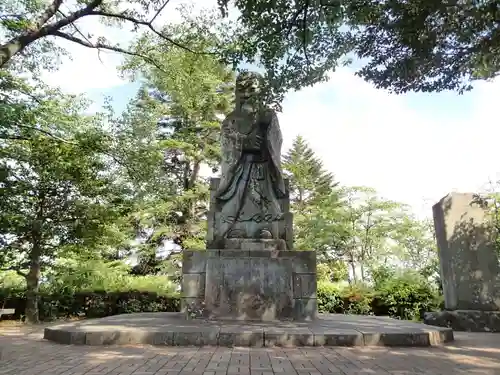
pixel 371 222
pixel 28 108
pixel 426 45
pixel 356 225
pixel 56 196
pixel 308 179
pixel 176 119
pixel 421 45
pixel 415 245
pixel 310 184
pixel 35 24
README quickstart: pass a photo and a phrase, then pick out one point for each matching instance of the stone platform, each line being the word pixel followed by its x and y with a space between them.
pixel 465 320
pixel 172 329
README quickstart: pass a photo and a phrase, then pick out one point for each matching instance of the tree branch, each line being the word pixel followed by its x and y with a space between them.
pixel 305 30
pixel 84 37
pixel 48 29
pixel 19 43
pixel 16 269
pixel 46 132
pixel 49 12
pixel 107 47
pixel 13 137
pixel 159 11
pixel 149 25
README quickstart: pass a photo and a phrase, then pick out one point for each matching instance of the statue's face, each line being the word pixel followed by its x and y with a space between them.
pixel 247 86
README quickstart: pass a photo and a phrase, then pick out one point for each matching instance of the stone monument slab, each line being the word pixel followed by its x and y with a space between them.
pixel 470 269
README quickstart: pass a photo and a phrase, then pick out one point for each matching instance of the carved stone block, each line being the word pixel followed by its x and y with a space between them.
pixel 282 227
pixel 193 285
pixel 194 261
pixel 304 285
pixel 259 285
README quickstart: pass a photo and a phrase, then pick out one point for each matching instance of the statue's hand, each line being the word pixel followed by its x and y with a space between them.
pixel 258 141
pixel 253 141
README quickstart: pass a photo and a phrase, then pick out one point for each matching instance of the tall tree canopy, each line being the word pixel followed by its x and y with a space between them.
pixel 311 185
pixel 420 45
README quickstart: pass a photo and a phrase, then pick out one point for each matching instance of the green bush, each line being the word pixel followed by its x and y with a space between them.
pixel 328 296
pixel 357 299
pixel 91 288
pixel 352 299
pixel 323 272
pixel 96 275
pixel 404 296
pixel 92 304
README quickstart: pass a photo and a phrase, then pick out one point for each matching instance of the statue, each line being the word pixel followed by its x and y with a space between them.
pixel 251 190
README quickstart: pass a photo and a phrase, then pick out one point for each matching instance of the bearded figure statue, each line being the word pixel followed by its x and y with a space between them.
pixel 251 198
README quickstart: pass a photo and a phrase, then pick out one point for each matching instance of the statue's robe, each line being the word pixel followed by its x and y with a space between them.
pixel 251 185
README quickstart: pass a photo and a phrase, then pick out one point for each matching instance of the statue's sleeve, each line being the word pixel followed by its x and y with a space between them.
pixel 274 141
pixel 231 149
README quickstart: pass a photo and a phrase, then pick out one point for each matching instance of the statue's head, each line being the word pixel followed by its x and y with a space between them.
pixel 248 87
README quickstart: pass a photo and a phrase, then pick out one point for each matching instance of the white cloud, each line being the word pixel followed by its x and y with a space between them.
pixel 369 137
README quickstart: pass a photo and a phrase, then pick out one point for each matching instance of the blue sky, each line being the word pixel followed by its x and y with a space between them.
pixel 414 148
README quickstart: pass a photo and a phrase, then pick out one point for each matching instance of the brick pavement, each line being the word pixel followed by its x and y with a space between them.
pixel 26 353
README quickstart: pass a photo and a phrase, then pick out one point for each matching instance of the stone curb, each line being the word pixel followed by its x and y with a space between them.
pixel 259 337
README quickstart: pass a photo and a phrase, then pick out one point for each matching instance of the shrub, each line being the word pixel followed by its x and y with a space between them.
pixel 91 288
pixel 94 304
pixel 357 299
pixel 328 296
pixel 406 295
pixel 323 272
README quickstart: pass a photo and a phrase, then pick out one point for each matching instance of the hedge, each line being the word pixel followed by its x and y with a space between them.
pixel 91 304
pixel 399 298
pixel 402 299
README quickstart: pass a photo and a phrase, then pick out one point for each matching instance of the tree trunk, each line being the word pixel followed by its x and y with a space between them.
pixel 32 282
pixel 353 269
pixel 33 276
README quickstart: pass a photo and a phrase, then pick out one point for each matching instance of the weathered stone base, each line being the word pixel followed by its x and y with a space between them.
pixel 465 320
pixel 172 329
pixel 257 281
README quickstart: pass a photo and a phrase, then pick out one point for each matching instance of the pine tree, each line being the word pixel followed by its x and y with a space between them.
pixel 309 181
pixel 311 188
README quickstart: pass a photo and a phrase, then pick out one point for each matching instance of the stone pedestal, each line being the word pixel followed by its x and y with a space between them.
pixel 258 281
pixel 469 264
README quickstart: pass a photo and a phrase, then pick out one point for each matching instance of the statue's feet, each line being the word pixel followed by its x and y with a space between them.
pixel 236 233
pixel 265 235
